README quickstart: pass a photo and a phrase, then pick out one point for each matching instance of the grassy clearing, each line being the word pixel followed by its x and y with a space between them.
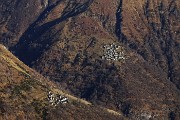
pixel 13 64
pixel 83 101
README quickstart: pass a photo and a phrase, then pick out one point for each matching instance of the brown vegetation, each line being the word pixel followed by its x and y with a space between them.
pixel 23 95
pixel 64 42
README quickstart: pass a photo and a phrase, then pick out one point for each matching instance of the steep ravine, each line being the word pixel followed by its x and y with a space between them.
pixel 119 19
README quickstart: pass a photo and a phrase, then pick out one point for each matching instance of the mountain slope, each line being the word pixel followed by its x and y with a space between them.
pixel 24 95
pixel 65 43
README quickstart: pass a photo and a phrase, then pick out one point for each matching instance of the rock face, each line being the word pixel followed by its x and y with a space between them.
pixel 64 40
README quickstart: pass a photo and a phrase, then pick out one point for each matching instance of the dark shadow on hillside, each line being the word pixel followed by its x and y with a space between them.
pixel 119 20
pixel 24 50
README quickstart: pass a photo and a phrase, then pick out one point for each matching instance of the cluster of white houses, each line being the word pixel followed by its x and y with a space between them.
pixel 111 52
pixel 56 99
